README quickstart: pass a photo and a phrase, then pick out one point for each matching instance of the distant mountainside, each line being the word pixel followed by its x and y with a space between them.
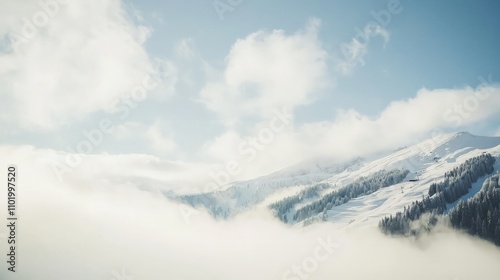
pixel 357 192
pixel 247 194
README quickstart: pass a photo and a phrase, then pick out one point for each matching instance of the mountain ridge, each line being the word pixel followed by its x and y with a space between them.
pixel 426 162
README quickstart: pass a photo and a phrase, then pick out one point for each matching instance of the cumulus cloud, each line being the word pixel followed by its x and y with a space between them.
pixel 350 133
pixel 98 229
pixel 403 121
pixel 68 59
pixel 264 148
pixel 357 48
pixel 268 70
pixel 223 147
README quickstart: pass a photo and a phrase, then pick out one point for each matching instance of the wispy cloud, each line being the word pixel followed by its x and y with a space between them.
pixel 354 51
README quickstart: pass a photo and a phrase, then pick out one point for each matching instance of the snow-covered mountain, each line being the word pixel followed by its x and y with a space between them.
pixel 243 195
pixel 309 182
pixel 427 162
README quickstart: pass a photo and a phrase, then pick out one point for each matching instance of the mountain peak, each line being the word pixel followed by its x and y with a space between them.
pixel 463 139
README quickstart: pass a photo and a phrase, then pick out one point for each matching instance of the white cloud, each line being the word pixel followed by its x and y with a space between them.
pixel 98 227
pixel 86 56
pixel 357 48
pixel 142 170
pixel 263 148
pixel 159 141
pixel 224 146
pixel 403 121
pixel 268 70
pixel 152 136
pixel 352 134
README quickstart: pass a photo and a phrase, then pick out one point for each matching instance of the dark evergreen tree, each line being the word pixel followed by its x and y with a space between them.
pixel 360 187
pixel 457 182
pixel 480 215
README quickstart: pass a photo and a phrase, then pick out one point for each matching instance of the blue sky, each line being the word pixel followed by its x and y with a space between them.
pixel 433 44
pixel 225 67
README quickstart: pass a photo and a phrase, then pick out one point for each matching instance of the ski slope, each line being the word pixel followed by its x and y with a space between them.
pixel 426 161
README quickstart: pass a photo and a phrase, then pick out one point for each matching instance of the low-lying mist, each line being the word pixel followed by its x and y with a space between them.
pixel 98 229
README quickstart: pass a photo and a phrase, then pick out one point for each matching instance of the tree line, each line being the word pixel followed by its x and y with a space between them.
pixel 457 182
pixel 480 215
pixel 362 186
pixel 282 207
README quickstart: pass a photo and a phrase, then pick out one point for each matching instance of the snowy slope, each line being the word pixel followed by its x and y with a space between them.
pixel 426 161
pixel 244 195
